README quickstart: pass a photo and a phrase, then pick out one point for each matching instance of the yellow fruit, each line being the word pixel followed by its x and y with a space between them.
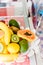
pixel 5 50
pixel 2 40
pixel 1 34
pixel 1 47
pixel 7 34
pixel 10 30
pixel 8 57
pixel 13 48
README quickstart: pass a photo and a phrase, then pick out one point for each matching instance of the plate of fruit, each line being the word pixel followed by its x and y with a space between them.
pixel 13 40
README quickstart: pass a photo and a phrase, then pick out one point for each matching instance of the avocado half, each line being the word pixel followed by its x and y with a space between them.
pixel 13 22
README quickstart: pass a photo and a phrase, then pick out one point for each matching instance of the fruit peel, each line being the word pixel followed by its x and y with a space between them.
pixel 7 34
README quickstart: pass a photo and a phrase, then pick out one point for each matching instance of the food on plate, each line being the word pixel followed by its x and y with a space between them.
pixel 13 48
pixel 23 45
pixel 26 34
pixel 14 38
pixel 13 41
pixel 13 22
pixel 15 29
pixel 7 34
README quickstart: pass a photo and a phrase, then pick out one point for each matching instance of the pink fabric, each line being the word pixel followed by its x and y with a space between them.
pixel 8 11
pixel 3 12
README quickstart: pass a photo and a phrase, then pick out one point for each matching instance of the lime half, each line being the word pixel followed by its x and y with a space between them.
pixel 23 45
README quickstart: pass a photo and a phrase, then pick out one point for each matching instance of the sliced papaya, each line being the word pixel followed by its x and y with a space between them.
pixel 7 34
pixel 26 34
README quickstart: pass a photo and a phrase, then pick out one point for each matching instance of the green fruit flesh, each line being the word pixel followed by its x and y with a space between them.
pixel 14 38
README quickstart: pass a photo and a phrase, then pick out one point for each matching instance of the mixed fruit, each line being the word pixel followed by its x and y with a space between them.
pixel 10 42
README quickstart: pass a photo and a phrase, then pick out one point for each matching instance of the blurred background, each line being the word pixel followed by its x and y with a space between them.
pixel 28 12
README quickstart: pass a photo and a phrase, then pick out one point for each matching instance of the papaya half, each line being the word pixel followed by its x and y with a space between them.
pixel 26 34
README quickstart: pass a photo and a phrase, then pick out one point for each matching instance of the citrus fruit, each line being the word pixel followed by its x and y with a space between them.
pixel 13 47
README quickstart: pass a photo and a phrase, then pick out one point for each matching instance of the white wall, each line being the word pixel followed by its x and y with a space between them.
pixel 7 0
pixel 4 0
